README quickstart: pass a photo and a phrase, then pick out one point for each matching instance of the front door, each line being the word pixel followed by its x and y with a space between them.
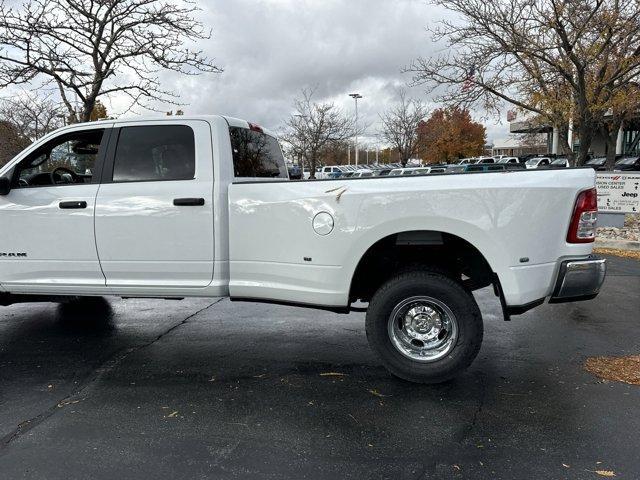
pixel 154 211
pixel 47 241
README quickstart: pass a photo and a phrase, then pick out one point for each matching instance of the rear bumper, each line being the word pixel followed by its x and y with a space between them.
pixel 579 280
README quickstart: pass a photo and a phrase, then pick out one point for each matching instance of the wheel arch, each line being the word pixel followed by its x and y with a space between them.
pixel 402 248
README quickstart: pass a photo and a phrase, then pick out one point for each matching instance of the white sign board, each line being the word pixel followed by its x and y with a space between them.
pixel 618 192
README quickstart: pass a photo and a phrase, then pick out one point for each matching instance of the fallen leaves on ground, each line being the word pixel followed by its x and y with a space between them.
pixel 618 369
pixel 618 253
pixel 606 473
pixel 376 393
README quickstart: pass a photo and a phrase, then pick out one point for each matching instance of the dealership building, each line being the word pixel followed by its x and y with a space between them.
pixel 628 142
pixel 519 146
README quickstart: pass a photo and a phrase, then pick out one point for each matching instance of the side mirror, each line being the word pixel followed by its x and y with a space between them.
pixel 5 185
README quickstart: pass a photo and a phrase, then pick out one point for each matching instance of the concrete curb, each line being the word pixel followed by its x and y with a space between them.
pixel 618 244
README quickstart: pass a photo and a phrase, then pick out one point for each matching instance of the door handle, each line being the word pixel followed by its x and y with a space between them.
pixel 188 202
pixel 71 205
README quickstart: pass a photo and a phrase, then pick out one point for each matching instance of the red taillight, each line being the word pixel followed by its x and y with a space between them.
pixel 254 127
pixel 585 218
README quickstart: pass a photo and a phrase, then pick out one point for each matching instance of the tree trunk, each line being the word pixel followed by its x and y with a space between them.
pixel 87 109
pixel 585 132
pixel 312 162
pixel 564 146
pixel 611 151
pixel 610 132
pixel 403 158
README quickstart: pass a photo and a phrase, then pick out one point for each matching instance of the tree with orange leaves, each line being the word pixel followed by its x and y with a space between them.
pixel 449 134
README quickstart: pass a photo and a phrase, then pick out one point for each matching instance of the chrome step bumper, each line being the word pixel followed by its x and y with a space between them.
pixel 579 280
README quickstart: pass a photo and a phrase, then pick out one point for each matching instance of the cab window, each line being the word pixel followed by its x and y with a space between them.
pixel 66 160
pixel 256 154
pixel 155 153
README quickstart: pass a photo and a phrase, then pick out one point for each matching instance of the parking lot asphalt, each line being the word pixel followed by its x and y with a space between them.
pixel 208 388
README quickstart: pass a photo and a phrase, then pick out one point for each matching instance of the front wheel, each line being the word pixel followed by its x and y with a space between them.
pixel 425 326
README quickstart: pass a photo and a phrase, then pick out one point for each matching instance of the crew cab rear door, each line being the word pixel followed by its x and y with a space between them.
pixel 154 212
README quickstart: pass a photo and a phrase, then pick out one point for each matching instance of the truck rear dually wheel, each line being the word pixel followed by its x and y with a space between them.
pixel 425 326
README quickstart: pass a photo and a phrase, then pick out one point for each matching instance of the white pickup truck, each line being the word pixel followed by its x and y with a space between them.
pixel 202 206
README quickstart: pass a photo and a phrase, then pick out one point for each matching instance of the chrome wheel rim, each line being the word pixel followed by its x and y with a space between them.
pixel 423 329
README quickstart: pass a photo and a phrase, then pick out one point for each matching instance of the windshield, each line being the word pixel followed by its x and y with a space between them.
pixel 596 161
pixel 626 161
pixel 559 161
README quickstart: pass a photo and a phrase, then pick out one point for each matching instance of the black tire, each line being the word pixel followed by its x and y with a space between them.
pixel 439 287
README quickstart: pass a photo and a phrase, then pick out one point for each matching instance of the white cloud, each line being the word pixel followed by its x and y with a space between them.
pixel 271 49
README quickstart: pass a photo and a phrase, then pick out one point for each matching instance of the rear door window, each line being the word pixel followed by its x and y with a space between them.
pixel 155 153
pixel 256 154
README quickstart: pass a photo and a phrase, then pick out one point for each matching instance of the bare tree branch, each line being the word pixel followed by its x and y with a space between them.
pixel 92 48
pixel 559 60
pixel 32 116
pixel 314 127
pixel 400 126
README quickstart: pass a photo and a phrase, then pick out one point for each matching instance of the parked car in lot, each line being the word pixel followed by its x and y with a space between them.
pixel 537 162
pixel 409 171
pixel 175 207
pixel 627 164
pixel 328 171
pixel 467 161
pixel 455 168
pixel 509 160
pixel 485 168
pixel 362 173
pixel 295 172
pixel 559 163
pixel 597 163
pixel 483 160
pixel 420 170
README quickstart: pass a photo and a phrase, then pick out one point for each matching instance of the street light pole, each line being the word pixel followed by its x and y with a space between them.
pixel 356 97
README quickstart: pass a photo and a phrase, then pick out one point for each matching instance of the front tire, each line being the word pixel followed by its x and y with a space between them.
pixel 425 326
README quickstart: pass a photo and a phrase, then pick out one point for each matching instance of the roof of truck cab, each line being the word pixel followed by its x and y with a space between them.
pixel 232 121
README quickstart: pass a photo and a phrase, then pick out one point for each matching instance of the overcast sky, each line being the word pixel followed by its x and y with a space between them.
pixel 271 49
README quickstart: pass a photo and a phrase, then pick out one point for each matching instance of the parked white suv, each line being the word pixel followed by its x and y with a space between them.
pixel 537 162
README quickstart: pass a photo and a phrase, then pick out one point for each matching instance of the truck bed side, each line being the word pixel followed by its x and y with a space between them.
pixel 275 253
